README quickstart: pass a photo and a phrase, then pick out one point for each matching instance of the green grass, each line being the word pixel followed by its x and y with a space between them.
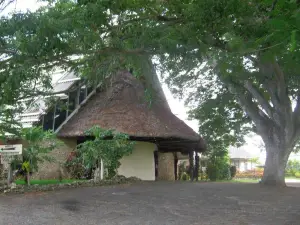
pixel 45 182
pixel 245 180
pixel 294 178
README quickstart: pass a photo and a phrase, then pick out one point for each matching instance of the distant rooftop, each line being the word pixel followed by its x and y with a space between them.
pixel 239 153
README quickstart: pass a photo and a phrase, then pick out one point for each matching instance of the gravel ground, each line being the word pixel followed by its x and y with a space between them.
pixel 155 203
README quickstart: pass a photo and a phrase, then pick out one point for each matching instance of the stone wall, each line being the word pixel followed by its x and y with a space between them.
pixel 53 170
pixel 166 169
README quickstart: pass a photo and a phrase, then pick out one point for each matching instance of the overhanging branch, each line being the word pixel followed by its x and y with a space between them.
pixel 258 96
pixel 258 116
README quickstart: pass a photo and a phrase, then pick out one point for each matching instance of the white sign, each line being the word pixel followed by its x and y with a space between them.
pixel 11 149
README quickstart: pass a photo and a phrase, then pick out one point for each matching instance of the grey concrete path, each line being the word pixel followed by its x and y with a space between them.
pixel 157 204
pixel 292 183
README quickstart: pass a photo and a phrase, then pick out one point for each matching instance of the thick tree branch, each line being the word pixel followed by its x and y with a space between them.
pixel 4 4
pixel 281 86
pixel 258 116
pixel 258 96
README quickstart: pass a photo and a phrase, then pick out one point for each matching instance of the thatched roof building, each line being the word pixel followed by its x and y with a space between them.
pixel 123 106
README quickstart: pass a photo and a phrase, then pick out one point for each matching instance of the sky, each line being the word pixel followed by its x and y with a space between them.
pixel 253 143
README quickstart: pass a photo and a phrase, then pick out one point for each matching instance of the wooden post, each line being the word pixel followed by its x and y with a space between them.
pixel 101 170
pixel 43 121
pixel 175 166
pixel 53 123
pixel 85 92
pixel 77 97
pixel 68 102
pixel 191 159
pixel 197 166
pixel 9 175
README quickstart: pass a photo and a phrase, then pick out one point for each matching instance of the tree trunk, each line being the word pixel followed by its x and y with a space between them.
pixel 28 178
pixel 276 160
pixel 197 166
pixel 97 174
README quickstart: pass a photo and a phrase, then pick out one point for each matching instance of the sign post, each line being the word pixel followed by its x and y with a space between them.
pixel 7 153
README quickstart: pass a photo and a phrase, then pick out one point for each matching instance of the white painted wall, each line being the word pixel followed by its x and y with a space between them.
pixel 140 163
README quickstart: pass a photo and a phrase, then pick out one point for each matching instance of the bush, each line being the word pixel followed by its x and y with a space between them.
pixel 251 174
pixel 297 174
pixel 232 171
pixel 185 176
pixel 218 171
pixel 211 172
pixel 218 167
pixel 75 169
pixel 292 167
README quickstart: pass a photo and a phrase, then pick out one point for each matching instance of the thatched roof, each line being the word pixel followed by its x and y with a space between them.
pixel 122 106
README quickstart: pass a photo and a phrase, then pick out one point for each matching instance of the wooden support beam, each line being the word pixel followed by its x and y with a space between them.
pixel 102 170
pixel 43 120
pixel 191 170
pixel 68 102
pixel 85 92
pixel 53 122
pixel 175 165
pixel 77 96
pixel 197 162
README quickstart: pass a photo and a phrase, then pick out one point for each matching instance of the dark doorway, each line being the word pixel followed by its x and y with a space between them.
pixel 156 164
pixel 175 166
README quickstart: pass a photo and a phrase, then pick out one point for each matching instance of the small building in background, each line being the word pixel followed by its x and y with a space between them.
pixel 242 159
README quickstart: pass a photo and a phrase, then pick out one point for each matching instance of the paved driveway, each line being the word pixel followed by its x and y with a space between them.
pixel 157 204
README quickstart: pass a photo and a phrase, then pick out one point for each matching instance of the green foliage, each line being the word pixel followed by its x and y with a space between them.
pixel 292 167
pixel 183 171
pixel 239 60
pixel 184 176
pixel 232 171
pixel 218 167
pixel 45 182
pixel 75 169
pixel 297 174
pixel 38 144
pixel 211 171
pixel 26 166
pixel 108 145
pixel 254 160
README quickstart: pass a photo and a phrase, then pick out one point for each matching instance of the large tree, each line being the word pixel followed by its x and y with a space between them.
pixel 250 48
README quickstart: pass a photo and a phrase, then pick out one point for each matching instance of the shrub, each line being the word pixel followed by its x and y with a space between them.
pixel 185 176
pixel 232 171
pixel 182 169
pixel 75 169
pixel 211 172
pixel 252 174
pixel 292 167
pixel 288 174
pixel 108 146
pixel 297 174
pixel 218 167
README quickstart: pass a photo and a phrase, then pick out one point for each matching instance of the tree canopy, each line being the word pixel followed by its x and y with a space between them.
pixel 111 151
pixel 239 59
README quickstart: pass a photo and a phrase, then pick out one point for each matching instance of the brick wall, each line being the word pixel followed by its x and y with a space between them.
pixel 166 166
